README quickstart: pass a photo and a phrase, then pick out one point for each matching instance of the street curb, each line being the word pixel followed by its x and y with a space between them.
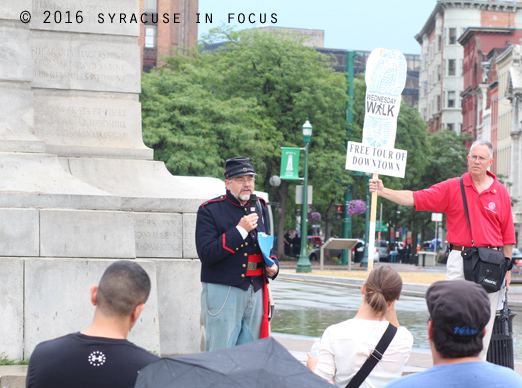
pixel 409 289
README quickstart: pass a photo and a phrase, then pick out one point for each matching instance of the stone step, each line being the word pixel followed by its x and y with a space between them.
pixel 13 376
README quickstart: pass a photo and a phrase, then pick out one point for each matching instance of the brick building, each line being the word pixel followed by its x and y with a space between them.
pixel 479 97
pixel 442 57
pixel 169 24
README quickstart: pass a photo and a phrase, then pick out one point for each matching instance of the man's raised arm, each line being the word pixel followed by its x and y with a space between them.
pixel 402 197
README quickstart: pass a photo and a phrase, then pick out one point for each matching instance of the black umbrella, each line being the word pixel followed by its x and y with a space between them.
pixel 263 363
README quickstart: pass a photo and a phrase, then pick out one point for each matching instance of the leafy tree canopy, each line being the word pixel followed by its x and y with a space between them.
pixel 249 97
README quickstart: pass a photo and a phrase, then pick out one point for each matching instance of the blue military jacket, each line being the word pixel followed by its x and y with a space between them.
pixel 220 246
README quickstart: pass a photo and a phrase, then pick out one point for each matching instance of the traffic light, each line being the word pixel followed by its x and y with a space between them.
pixel 339 210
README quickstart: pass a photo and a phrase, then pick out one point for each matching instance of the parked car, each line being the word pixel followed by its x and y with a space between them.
pixel 384 250
pixel 517 262
pixel 315 241
pixel 315 254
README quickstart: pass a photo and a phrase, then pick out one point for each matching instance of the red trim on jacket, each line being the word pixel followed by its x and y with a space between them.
pixel 224 246
pixel 213 200
pixel 233 203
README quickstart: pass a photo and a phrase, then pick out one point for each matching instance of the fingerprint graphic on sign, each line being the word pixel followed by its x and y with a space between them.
pixel 385 80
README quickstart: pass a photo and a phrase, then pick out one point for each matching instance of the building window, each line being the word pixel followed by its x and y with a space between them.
pixel 438 72
pixel 451 99
pixel 439 46
pixel 425 88
pixel 148 65
pixel 426 61
pixel 151 5
pixel 438 102
pixel 452 36
pixel 449 126
pixel 150 37
pixel 452 67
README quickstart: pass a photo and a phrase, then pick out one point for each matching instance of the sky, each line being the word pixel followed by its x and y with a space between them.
pixel 347 24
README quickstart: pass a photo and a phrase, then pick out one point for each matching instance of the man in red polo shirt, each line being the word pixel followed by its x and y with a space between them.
pixel 489 207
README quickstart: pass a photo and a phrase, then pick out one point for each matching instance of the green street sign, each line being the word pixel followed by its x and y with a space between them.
pixel 384 227
pixel 290 163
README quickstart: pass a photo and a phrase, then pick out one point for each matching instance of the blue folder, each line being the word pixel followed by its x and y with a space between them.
pixel 265 243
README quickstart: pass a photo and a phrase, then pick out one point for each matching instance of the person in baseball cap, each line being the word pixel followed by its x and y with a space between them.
pixel 459 312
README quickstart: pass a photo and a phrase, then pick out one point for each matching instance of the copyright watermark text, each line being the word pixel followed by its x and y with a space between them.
pixel 78 17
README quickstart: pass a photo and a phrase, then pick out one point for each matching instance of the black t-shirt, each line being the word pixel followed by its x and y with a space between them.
pixel 80 361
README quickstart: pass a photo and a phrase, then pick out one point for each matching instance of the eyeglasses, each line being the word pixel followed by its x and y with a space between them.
pixel 242 181
pixel 481 159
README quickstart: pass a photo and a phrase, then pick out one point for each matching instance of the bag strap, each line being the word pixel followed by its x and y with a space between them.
pixel 466 208
pixel 373 358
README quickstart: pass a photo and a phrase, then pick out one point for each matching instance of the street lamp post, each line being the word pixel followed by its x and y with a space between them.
pixel 303 264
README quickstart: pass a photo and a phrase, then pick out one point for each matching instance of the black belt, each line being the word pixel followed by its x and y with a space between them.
pixel 455 247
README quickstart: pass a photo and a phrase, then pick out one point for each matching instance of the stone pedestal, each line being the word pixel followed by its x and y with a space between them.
pixel 78 188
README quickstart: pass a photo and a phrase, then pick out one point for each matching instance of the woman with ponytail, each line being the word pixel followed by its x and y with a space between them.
pixel 347 345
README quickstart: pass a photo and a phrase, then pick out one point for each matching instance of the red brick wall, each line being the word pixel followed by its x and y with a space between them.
pixel 172 35
pixel 497 19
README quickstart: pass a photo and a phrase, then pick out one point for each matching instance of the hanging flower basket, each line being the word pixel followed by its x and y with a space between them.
pixel 315 217
pixel 356 207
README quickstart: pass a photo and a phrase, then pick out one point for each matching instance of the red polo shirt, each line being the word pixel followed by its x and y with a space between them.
pixel 489 212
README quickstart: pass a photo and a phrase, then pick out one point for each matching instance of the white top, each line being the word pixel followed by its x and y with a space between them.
pixel 346 346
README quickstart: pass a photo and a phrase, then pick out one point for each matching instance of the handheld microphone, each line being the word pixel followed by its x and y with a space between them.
pixel 253 200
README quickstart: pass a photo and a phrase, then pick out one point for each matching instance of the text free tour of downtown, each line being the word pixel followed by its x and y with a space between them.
pixel 369 153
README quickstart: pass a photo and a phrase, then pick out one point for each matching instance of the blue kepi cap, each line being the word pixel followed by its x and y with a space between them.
pixel 238 167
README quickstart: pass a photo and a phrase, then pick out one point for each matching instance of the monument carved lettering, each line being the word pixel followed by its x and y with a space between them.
pixel 158 235
pixel 81 64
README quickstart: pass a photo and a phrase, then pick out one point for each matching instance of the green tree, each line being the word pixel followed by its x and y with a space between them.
pixel 249 97
pixel 188 125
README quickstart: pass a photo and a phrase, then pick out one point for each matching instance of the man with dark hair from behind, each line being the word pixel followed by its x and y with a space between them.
pixel 459 312
pixel 99 356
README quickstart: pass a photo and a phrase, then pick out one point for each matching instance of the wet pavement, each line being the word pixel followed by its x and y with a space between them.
pixel 420 359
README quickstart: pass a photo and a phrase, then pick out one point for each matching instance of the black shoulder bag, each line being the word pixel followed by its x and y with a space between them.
pixel 483 265
pixel 373 358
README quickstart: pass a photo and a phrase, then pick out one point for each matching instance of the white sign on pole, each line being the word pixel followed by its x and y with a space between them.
pixel 385 79
pixel 299 194
pixel 437 217
pixel 361 157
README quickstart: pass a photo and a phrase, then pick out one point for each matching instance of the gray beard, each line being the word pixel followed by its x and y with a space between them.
pixel 243 197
